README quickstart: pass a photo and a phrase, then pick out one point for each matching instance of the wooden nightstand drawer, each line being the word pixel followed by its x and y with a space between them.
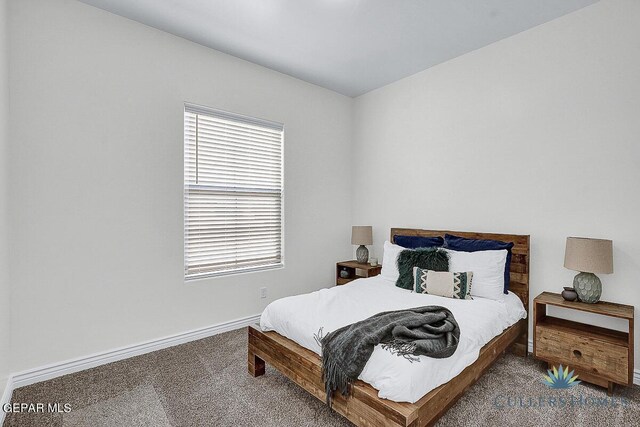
pixel 602 357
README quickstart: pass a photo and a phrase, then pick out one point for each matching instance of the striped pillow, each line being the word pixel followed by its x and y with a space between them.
pixel 443 283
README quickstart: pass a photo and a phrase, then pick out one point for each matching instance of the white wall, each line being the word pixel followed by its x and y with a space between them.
pixel 5 290
pixel 97 173
pixel 536 134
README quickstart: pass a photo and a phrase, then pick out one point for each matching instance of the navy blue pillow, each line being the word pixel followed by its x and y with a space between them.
pixel 473 245
pixel 414 242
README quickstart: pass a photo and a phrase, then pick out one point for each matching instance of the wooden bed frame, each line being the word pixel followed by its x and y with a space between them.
pixel 364 408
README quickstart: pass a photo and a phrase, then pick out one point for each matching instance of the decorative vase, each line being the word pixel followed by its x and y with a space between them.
pixel 588 287
pixel 362 254
pixel 569 294
pixel 344 273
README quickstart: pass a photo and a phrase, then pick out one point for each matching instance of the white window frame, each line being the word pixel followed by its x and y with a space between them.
pixel 239 118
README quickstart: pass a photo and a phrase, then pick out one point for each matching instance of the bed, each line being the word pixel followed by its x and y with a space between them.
pixel 387 404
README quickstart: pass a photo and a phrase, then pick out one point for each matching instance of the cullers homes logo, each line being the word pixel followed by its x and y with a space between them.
pixel 560 378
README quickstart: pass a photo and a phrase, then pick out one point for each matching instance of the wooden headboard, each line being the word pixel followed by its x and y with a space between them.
pixel 519 272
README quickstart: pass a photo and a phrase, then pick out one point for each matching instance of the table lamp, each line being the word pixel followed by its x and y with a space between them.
pixel 588 256
pixel 362 235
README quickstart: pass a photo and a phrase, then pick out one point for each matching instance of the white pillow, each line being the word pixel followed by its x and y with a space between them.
pixel 390 261
pixel 488 271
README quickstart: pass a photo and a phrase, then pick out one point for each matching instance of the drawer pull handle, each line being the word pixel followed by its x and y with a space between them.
pixel 577 353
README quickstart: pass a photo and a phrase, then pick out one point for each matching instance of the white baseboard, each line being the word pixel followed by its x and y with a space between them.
pixel 636 372
pixel 6 397
pixel 54 370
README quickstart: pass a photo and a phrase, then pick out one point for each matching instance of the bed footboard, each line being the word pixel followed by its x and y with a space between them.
pixel 364 408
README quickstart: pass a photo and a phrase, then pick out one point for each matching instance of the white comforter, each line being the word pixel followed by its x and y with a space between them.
pixel 300 317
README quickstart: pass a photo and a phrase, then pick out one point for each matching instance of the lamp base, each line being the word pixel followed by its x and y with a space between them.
pixel 588 287
pixel 362 254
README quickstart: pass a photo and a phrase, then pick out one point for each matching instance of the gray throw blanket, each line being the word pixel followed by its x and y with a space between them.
pixel 428 331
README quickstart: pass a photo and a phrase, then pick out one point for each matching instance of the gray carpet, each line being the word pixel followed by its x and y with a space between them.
pixel 205 383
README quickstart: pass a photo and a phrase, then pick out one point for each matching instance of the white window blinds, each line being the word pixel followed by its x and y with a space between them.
pixel 233 193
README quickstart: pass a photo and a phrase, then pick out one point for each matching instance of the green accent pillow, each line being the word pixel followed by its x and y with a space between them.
pixel 435 259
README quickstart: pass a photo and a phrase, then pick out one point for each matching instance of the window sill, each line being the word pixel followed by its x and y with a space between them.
pixel 197 277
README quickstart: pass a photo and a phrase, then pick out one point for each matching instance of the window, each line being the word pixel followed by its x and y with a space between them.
pixel 233 193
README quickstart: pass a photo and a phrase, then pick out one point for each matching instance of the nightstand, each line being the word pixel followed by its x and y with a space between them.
pixel 598 355
pixel 356 271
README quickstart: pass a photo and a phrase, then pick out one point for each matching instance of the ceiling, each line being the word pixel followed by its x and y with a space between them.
pixel 349 46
